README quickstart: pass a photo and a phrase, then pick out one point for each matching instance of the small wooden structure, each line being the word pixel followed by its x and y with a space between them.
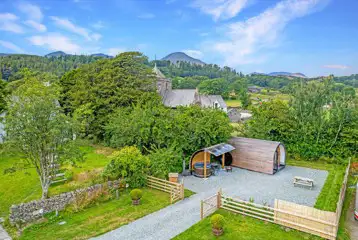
pixel 303 181
pixel 203 156
pixel 173 177
pixel 258 155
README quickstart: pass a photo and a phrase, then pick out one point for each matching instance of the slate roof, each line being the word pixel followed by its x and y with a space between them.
pixel 180 97
pixel 209 100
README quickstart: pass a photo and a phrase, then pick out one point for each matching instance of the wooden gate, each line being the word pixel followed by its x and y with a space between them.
pixel 176 190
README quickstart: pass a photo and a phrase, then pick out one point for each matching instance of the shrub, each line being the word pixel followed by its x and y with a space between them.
pixel 217 221
pixel 164 161
pixel 136 194
pixel 128 164
pixel 68 175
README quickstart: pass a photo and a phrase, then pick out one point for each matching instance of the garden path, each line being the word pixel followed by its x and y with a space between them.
pixel 3 234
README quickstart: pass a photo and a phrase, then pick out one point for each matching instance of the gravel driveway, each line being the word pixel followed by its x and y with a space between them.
pixel 175 219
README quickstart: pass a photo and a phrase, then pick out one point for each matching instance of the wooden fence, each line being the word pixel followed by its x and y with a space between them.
pixel 209 206
pixel 303 218
pixel 176 190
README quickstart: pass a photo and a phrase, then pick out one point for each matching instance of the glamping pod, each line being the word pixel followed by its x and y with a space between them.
pixel 258 155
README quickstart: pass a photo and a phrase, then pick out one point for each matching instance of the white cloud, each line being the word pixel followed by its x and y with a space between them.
pixel 55 42
pixel 115 51
pixel 98 25
pixel 11 46
pixel 193 53
pixel 247 38
pixel 220 9
pixel 336 66
pixel 69 26
pixel 33 12
pixel 36 25
pixel 146 16
pixel 8 23
pixel 8 17
pixel 96 36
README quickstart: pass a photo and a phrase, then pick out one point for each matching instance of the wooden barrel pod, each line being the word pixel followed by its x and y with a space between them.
pixel 258 155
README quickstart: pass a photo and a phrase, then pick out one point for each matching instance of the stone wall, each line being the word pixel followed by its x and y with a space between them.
pixel 30 211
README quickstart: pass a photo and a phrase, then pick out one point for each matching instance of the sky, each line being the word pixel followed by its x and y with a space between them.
pixel 315 37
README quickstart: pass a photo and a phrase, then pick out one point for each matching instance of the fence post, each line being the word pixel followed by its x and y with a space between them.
pixel 201 209
pixel 218 201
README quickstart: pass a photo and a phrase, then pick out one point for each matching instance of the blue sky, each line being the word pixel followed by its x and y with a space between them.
pixel 315 37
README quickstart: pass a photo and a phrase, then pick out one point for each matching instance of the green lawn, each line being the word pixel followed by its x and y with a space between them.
pixel 24 185
pixel 233 103
pixel 243 228
pixel 98 219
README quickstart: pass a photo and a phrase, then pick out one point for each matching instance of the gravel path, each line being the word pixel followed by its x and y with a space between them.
pixel 175 219
pixel 3 234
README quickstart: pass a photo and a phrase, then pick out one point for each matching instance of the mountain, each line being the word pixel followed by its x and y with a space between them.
pixel 182 57
pixel 287 74
pixel 56 54
pixel 101 55
pixel 4 54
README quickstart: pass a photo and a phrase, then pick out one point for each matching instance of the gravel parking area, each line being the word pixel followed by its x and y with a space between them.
pixel 263 188
pixel 175 219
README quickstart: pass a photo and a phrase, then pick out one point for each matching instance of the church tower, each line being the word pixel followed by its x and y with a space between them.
pixel 164 84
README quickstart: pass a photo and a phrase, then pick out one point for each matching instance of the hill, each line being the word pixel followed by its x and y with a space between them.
pixel 101 55
pixel 182 57
pixel 287 74
pixel 56 54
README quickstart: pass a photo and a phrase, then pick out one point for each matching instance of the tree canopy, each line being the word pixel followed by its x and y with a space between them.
pixel 92 92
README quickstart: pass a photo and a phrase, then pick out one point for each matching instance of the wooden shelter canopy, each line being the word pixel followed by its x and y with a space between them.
pixel 219 149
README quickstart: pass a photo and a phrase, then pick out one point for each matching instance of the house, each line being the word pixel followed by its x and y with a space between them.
pixel 254 89
pixel 185 97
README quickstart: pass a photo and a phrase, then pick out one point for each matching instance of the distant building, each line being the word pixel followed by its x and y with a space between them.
pixel 185 97
pixel 254 89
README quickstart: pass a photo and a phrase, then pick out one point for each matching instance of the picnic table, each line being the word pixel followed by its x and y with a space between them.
pixel 303 181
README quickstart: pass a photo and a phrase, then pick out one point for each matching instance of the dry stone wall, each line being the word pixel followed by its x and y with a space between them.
pixel 30 211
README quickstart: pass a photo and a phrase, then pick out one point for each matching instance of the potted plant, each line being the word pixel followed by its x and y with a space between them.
pixel 136 195
pixel 217 223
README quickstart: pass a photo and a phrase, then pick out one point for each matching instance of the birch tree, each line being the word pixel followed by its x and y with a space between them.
pixel 36 126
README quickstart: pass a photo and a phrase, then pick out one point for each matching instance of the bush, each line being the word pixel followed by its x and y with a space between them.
pixel 163 161
pixel 68 175
pixel 217 221
pixel 128 164
pixel 136 194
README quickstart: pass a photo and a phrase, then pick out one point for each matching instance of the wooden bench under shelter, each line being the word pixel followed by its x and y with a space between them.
pixel 303 181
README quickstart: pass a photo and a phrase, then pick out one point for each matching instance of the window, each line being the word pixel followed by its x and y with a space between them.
pixel 216 105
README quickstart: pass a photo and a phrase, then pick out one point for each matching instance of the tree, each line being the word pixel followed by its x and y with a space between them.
pixel 130 165
pixel 163 161
pixel 37 127
pixel 218 86
pixel 3 95
pixel 96 90
pixel 319 121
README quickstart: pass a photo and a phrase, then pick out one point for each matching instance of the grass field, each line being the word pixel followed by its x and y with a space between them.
pixel 98 219
pixel 243 228
pixel 24 185
pixel 233 103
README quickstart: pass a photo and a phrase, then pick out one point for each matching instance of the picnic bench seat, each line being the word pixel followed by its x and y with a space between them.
pixel 303 181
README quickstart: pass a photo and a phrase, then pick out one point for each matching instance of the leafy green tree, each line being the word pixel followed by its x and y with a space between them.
pixel 3 95
pixel 216 86
pixel 37 127
pixel 319 121
pixel 163 161
pixel 151 125
pixel 106 85
pixel 130 165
